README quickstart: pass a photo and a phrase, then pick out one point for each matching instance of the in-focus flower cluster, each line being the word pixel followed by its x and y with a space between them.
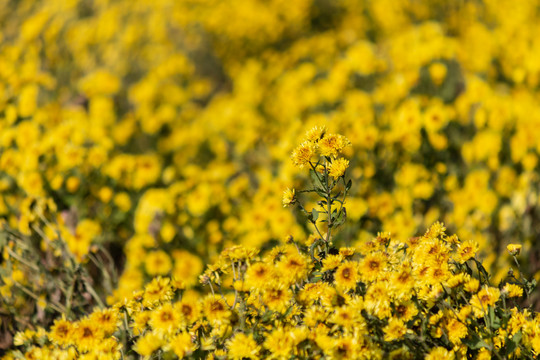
pixel 426 297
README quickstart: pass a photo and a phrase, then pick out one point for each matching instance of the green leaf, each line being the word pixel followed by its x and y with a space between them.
pixel 493 319
pixel 315 180
pixel 348 186
pixel 341 217
pixel 513 343
pixel 475 342
pixel 314 214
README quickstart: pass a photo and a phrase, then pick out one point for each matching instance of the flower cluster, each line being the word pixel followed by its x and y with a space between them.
pixel 159 133
pixel 427 296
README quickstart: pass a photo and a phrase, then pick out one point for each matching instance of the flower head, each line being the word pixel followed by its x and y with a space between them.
pixel 337 168
pixel 302 154
pixel 289 197
pixel 514 249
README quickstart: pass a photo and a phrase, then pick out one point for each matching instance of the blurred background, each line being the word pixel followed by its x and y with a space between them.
pixel 150 135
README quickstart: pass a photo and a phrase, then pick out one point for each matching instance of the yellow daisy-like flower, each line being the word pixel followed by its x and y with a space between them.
pixel 466 250
pixel 337 168
pixel 293 268
pixel 513 290
pixel 315 134
pixel 87 334
pixel 61 332
pixel 488 296
pixel 215 308
pixel 289 197
pixel 243 346
pixel 332 144
pixel 514 249
pixel 331 262
pixel 157 263
pixel 456 331
pixel 277 297
pixel 182 345
pixel 147 344
pixel 303 154
pixel 395 330
pixel 156 291
pixel 371 266
pixel 346 276
pixel 440 353
pixel 165 319
pixel 258 274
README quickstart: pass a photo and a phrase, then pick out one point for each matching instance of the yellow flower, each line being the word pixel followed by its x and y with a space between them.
pixel 395 330
pixel 165 319
pixel 87 334
pixel 513 290
pixel 466 250
pixel 289 197
pixel 215 308
pixel 456 331
pixel 157 263
pixel 279 343
pixel 440 353
pixel 372 266
pixel 107 320
pixel 315 134
pixel 277 296
pixel 182 345
pixel 437 72
pixel 61 332
pixel 488 296
pixel 514 249
pixel 346 276
pixel 337 168
pixel 331 262
pixel 258 274
pixel 158 290
pixel 293 268
pixel 243 346
pixel 147 344
pixel 301 156
pixel 332 144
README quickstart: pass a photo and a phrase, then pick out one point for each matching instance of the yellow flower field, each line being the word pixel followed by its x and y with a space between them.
pixel 269 179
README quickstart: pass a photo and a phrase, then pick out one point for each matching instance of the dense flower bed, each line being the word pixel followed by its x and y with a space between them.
pixel 140 139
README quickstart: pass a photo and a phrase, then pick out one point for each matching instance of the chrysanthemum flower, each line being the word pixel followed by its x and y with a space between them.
pixel 61 332
pixel 182 345
pixel 258 274
pixel 87 334
pixel 165 319
pixel 395 330
pixel 289 197
pixel 332 144
pixel 337 167
pixel 466 250
pixel 372 266
pixel 215 308
pixel 243 346
pixel 346 276
pixel 456 331
pixel 303 154
pixel 488 296
pixel 514 249
pixel 157 263
pixel 315 134
pixel 513 290
pixel 148 343
pixel 440 353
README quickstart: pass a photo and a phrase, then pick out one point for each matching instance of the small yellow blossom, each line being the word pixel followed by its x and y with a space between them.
pixel 514 249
